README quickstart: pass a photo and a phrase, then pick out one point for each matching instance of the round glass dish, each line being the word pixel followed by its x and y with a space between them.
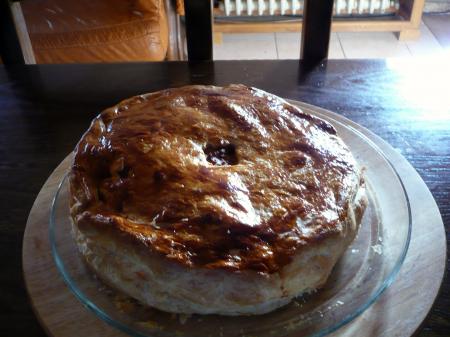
pixel 366 269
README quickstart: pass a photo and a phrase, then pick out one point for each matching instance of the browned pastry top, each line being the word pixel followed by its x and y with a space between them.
pixel 232 178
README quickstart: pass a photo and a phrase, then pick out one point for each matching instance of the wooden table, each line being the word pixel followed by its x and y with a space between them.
pixel 44 110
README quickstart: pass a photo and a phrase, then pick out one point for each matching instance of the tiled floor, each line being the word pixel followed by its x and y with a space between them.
pixel 434 38
pixel 440 25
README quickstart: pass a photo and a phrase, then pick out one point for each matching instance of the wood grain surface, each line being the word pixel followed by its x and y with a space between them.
pixel 45 109
pixel 58 310
pixel 398 312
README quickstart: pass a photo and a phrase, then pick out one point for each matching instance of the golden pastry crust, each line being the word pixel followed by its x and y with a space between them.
pixel 214 177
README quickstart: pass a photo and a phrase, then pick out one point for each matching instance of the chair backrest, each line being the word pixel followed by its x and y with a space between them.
pixel 316 29
pixel 85 31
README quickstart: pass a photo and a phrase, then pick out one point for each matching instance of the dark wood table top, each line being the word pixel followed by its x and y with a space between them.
pixel 45 109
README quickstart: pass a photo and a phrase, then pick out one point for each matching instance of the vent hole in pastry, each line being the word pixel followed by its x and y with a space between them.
pixel 224 154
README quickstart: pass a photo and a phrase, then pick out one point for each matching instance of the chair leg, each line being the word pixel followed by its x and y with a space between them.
pixel 316 30
pixel 173 49
pixel 409 34
pixel 22 33
pixel 199 20
pixel 10 49
pixel 182 43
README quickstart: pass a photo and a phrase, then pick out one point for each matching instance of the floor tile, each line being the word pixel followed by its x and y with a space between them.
pixel 335 50
pixel 247 46
pixel 439 25
pixel 435 33
pixel 288 46
pixel 426 44
pixel 372 45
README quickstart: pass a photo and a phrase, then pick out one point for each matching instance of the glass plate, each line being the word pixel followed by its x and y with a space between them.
pixel 366 269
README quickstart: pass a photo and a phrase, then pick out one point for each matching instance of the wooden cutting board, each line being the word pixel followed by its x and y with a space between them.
pixel 398 312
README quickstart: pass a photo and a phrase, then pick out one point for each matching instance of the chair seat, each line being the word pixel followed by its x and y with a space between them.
pixel 66 31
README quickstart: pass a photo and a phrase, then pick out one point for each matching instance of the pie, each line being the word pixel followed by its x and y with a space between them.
pixel 213 200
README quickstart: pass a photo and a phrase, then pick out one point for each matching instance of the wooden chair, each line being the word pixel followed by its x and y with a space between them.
pixel 315 33
pixel 86 31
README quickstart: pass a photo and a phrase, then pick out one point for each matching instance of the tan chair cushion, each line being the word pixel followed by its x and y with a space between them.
pixel 66 31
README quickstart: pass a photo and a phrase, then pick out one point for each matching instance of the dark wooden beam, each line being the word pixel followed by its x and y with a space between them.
pixel 316 30
pixel 199 21
pixel 10 49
